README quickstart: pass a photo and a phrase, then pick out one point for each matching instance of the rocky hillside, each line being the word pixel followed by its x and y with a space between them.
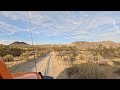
pixel 84 44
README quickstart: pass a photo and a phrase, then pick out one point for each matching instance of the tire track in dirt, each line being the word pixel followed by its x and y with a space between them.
pixel 41 63
pixel 47 65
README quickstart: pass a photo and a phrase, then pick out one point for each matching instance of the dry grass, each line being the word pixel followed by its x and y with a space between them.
pixel 116 61
pixel 118 71
pixel 110 63
pixel 80 61
pixel 8 58
pixel 24 56
pixel 86 71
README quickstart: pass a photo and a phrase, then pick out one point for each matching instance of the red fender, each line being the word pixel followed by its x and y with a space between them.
pixel 5 73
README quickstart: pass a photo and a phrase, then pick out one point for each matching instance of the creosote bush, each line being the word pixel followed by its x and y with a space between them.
pixel 86 71
pixel 24 56
pixel 8 58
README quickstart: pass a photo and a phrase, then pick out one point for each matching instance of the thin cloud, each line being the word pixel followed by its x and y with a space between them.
pixel 68 25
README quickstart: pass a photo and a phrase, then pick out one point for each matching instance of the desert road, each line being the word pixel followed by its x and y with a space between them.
pixel 43 65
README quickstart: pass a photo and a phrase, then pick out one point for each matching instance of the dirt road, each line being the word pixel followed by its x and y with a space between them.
pixel 48 65
pixel 43 65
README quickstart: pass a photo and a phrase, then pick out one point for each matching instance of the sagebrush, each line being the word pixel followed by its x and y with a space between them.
pixel 8 58
pixel 86 71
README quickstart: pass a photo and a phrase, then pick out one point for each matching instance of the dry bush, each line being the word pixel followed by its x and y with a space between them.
pixel 86 71
pixel 117 62
pixel 100 58
pixel 110 63
pixel 81 57
pixel 8 58
pixel 102 62
pixel 65 58
pixel 56 53
pixel 80 61
pixel 72 59
pixel 24 56
pixel 89 57
pixel 118 71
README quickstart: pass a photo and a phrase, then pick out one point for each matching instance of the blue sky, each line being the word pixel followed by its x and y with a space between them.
pixel 59 26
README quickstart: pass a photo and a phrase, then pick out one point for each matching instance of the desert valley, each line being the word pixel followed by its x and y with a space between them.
pixel 77 60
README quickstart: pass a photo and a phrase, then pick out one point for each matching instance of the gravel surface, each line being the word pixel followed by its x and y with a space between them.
pixel 47 65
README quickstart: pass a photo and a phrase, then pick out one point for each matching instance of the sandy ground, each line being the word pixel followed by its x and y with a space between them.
pixel 47 65
pixel 17 62
pixel 58 68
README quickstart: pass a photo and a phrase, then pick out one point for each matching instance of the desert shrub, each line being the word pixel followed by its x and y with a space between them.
pixel 107 53
pixel 89 57
pixel 8 58
pixel 102 62
pixel 65 58
pixel 72 59
pixel 110 63
pixel 100 57
pixel 38 53
pixel 118 71
pixel 24 56
pixel 81 57
pixel 86 71
pixel 5 50
pixel 116 62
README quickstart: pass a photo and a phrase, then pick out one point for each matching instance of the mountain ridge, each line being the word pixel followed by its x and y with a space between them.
pixel 85 44
pixel 18 43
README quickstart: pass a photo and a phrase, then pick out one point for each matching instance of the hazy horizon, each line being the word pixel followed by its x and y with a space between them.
pixel 58 43
pixel 59 27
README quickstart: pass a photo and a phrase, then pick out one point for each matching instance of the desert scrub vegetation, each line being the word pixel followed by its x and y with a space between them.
pixel 66 56
pixel 64 48
pixel 107 53
pixel 86 71
pixel 5 50
pixel 65 53
pixel 89 57
pixel 24 56
pixel 117 71
pixel 8 58
pixel 99 54
pixel 116 61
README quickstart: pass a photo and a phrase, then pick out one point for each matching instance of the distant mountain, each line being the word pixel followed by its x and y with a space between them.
pixel 19 43
pixel 84 44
